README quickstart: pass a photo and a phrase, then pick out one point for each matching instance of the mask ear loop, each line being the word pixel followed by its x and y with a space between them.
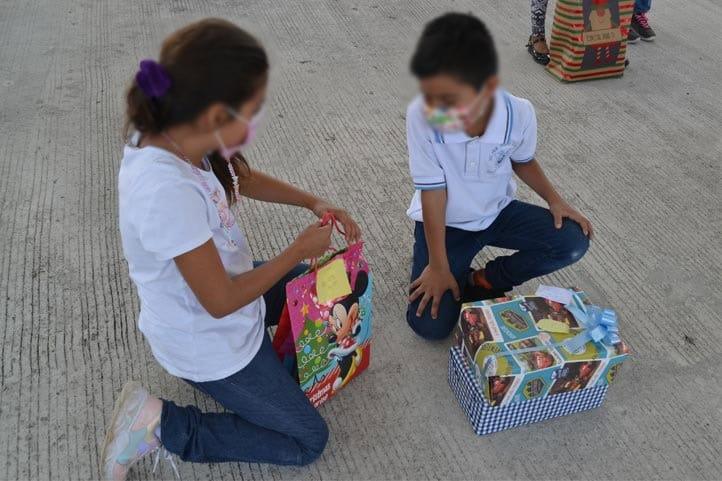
pixel 475 101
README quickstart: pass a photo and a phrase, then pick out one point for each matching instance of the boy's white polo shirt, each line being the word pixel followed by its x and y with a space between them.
pixel 475 171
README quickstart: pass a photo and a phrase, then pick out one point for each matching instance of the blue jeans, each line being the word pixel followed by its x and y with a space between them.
pixel 526 228
pixel 270 418
pixel 642 6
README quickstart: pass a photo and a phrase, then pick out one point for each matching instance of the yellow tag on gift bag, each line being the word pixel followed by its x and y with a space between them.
pixel 332 282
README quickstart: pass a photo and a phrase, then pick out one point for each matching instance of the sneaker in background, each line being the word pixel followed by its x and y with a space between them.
pixel 632 36
pixel 641 25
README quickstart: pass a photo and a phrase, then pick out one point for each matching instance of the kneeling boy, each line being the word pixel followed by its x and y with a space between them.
pixel 466 138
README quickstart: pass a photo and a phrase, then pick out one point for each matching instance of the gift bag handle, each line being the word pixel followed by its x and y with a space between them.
pixel 328 218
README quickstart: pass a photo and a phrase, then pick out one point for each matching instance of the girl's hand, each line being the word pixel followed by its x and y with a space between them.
pixel 560 209
pixel 353 231
pixel 313 242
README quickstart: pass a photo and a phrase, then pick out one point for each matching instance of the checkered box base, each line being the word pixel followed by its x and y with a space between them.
pixel 487 419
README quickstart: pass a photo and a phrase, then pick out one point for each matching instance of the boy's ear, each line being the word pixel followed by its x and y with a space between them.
pixel 491 84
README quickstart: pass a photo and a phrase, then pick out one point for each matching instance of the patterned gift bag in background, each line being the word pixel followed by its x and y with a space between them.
pixel 330 313
pixel 589 38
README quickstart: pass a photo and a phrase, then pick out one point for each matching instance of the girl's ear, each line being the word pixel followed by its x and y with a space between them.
pixel 213 117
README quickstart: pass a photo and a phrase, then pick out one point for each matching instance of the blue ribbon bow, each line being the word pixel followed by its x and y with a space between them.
pixel 598 324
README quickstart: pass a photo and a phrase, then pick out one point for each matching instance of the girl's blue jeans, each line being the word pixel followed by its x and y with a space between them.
pixel 526 228
pixel 268 418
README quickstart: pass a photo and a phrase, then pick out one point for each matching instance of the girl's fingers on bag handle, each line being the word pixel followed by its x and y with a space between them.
pixel 325 232
pixel 314 240
pixel 353 231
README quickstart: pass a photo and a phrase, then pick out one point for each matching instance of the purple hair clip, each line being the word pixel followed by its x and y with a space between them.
pixel 153 79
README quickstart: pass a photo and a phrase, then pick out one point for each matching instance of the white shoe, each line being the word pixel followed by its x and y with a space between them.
pixel 131 434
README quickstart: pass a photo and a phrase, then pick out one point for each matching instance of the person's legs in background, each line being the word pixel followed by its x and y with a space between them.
pixel 640 22
pixel 537 45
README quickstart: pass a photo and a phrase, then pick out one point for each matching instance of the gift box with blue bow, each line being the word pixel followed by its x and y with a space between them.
pixel 530 347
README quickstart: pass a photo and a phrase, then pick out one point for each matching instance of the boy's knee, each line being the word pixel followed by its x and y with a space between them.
pixel 429 328
pixel 313 444
pixel 574 245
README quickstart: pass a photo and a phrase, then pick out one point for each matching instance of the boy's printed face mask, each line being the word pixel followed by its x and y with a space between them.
pixel 228 152
pixel 455 119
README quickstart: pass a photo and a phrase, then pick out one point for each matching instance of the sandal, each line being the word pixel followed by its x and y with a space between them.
pixel 539 57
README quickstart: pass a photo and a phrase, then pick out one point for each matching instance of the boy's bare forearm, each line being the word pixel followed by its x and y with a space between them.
pixel 532 175
pixel 433 204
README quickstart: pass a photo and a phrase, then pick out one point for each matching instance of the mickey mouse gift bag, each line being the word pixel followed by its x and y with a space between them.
pixel 330 315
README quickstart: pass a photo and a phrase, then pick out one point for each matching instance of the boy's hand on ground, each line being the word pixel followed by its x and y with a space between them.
pixel 431 286
pixel 313 242
pixel 353 231
pixel 561 209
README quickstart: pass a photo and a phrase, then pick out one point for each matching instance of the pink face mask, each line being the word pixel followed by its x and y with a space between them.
pixel 227 152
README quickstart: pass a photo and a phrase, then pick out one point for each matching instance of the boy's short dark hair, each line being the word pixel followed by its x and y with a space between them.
pixel 456 44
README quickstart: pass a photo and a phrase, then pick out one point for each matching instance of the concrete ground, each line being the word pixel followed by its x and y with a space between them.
pixel 639 155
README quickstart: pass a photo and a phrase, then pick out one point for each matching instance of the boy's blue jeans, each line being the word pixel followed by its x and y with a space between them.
pixel 526 228
pixel 270 420
pixel 642 6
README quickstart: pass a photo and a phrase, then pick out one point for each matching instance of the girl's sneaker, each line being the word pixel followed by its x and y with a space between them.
pixel 641 25
pixel 133 432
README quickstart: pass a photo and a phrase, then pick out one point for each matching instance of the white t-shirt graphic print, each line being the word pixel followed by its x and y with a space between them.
pixel 164 212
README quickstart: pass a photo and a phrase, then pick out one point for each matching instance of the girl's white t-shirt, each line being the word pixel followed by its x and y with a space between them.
pixel 165 211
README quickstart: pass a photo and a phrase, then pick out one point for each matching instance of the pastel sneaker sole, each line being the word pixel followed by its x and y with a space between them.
pixel 125 405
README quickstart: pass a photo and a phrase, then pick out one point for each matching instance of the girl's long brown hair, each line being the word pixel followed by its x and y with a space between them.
pixel 208 61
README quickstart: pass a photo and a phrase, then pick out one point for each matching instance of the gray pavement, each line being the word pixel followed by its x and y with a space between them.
pixel 640 155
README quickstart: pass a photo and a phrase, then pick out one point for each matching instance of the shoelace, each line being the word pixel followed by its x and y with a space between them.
pixel 642 20
pixel 168 458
